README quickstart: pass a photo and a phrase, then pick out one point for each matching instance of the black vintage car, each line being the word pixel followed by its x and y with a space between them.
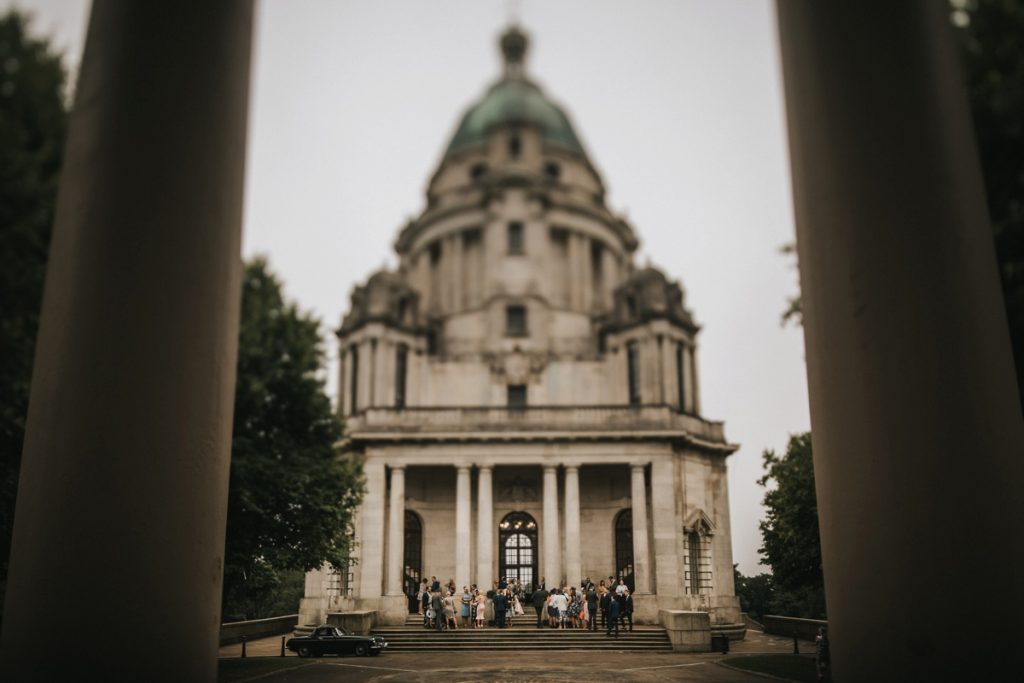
pixel 334 640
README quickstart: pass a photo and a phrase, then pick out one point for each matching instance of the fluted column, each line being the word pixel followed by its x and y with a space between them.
pixel 128 435
pixel 484 528
pixel 641 569
pixel 396 531
pixel 462 559
pixel 552 570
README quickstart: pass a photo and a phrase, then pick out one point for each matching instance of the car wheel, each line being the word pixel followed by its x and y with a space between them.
pixel 304 651
pixel 362 650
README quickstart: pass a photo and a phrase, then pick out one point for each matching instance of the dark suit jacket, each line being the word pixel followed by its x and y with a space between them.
pixel 500 603
pixel 539 597
pixel 614 609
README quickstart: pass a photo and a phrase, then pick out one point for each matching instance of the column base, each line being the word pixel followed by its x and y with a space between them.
pixel 393 609
pixel 645 608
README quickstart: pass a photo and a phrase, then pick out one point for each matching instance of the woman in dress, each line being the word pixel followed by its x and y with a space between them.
pixel 574 608
pixel 481 609
pixel 449 613
pixel 466 600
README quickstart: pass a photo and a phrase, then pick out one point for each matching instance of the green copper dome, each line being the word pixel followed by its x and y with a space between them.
pixel 515 100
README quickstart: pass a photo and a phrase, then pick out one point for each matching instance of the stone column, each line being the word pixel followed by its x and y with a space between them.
pixel 371 550
pixel 573 565
pixel 586 276
pixel 396 531
pixel 910 373
pixel 666 527
pixel 462 559
pixel 128 434
pixel 552 569
pixel 484 529
pixel 638 492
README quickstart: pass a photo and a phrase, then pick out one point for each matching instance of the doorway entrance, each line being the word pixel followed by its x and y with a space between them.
pixel 517 549
pixel 413 571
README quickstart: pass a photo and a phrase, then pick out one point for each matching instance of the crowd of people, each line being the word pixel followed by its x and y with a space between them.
pixel 606 605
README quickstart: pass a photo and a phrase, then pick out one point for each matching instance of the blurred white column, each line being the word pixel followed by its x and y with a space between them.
pixel 573 568
pixel 462 559
pixel 396 531
pixel 484 529
pixel 641 569
pixel 552 559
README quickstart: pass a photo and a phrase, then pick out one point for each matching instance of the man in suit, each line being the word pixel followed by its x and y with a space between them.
pixel 500 607
pixel 539 600
pixel 614 610
pixel 606 599
pixel 437 604
pixel 591 597
pixel 435 585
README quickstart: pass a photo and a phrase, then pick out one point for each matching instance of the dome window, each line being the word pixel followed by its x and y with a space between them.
pixel 515 321
pixel 515 147
pixel 552 171
pixel 515 237
pixel 478 171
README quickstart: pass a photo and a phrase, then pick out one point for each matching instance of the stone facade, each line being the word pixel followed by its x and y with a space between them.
pixel 518 369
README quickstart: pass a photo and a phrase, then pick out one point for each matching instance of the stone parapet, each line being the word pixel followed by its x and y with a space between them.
pixel 688 631
pixel 605 419
pixel 361 621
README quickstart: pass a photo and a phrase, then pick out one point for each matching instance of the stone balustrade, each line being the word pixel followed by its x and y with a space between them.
pixel 659 418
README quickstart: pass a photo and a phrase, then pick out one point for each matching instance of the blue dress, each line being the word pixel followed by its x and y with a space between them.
pixel 466 598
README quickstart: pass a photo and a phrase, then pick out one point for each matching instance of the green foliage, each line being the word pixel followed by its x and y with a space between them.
pixel 292 497
pixel 799 668
pixel 791 545
pixel 33 127
pixel 756 593
pixel 994 71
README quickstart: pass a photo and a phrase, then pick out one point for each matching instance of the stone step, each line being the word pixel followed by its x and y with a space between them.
pixel 404 638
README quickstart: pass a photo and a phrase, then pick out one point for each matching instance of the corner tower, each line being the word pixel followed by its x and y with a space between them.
pixel 525 402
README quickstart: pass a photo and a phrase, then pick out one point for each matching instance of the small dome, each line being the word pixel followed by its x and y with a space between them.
pixel 515 100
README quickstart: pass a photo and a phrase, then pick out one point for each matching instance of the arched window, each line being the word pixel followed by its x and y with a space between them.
pixel 517 548
pixel 413 558
pixel 698 532
pixel 624 547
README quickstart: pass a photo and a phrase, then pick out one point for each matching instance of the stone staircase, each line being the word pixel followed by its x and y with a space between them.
pixel 412 637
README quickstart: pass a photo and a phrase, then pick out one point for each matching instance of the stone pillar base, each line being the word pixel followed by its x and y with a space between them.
pixel 361 621
pixel 393 610
pixel 312 611
pixel 688 631
pixel 645 608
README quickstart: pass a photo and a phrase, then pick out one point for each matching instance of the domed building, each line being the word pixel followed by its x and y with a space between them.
pixel 524 401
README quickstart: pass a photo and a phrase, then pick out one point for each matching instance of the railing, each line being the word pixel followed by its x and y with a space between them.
pixel 237 631
pixel 533 418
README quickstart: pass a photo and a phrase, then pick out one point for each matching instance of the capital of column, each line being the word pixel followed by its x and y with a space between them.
pixel 638 468
pixel 397 468
pixel 550 468
pixel 572 468
pixel 462 468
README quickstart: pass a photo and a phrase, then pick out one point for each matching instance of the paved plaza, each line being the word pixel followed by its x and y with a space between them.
pixel 519 667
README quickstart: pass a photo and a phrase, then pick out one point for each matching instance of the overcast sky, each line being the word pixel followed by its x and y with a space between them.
pixel 678 103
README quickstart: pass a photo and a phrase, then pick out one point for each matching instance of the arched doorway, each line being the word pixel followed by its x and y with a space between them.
pixel 624 547
pixel 413 558
pixel 517 548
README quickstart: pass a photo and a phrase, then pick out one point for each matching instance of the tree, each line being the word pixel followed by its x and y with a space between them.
pixel 291 496
pixel 791 545
pixel 756 593
pixel 33 127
